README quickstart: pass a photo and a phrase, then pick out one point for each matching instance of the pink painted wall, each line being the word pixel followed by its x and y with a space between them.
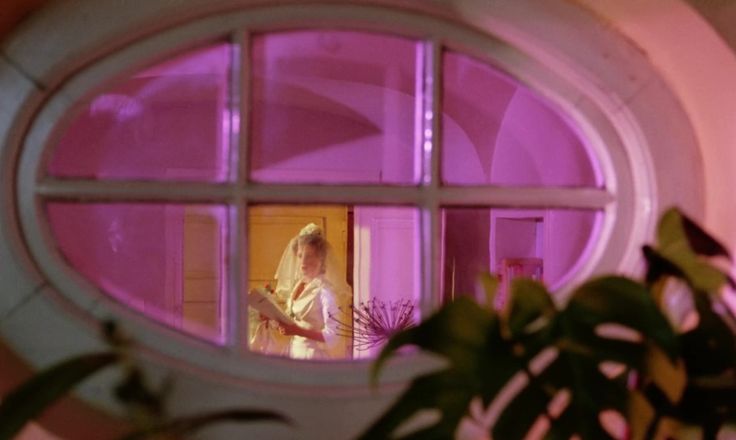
pixel 495 131
pixel 332 106
pixel 134 252
pixel 475 100
pixel 536 146
pixel 169 121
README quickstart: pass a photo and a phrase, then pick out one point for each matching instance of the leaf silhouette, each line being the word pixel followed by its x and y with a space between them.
pixel 43 389
pixel 183 426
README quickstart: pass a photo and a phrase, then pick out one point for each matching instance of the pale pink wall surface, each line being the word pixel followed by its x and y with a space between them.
pixel 475 238
pixel 386 264
pixel 518 237
pixel 474 98
pixel 536 146
pixel 166 122
pixel 133 252
pixel 516 139
pixel 495 131
pixel 333 107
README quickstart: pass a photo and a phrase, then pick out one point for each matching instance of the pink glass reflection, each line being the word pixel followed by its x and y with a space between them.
pixel 170 121
pixel 386 262
pixel 496 131
pixel 547 245
pixel 333 107
pixel 166 261
pixel 376 259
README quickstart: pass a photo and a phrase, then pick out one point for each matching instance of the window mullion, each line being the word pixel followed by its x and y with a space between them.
pixel 202 192
pixel 142 191
pixel 431 246
pixel 235 312
pixel 242 82
pixel 529 197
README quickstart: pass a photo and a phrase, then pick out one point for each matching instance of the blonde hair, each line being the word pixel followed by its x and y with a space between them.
pixel 311 235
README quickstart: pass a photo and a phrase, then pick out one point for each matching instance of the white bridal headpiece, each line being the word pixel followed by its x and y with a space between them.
pixel 289 273
pixel 310 229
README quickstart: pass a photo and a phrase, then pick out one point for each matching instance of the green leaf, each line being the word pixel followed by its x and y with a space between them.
pixel 188 425
pixel 659 266
pixel 447 391
pixel 490 287
pixel 480 363
pixel 619 300
pixel 682 243
pixel 641 415
pixel 700 241
pixel 517 417
pixel 710 402
pixel 530 302
pixel 457 332
pixel 32 397
pixel 670 377
pixel 591 393
pixel 142 402
pixel 709 348
pixel 670 229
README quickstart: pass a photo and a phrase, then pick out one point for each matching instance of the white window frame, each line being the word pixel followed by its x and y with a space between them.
pixel 628 199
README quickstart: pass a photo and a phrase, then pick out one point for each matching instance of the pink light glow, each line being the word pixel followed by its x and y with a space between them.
pixel 487 239
pixel 387 261
pixel 496 131
pixel 166 261
pixel 166 122
pixel 333 107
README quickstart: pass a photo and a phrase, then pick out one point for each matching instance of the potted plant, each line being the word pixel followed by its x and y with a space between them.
pixel 609 363
pixel 144 403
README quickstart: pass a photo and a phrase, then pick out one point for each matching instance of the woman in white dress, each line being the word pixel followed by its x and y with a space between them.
pixel 310 282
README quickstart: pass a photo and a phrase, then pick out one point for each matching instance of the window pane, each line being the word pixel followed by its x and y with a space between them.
pixel 496 131
pixel 168 122
pixel 356 293
pixel 166 261
pixel 332 106
pixel 548 245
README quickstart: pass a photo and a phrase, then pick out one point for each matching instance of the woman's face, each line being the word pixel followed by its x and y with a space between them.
pixel 310 261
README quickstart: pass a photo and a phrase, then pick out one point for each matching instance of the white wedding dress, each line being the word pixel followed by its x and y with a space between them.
pixel 312 310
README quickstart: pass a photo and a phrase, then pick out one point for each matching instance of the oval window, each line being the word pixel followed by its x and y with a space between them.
pixel 407 184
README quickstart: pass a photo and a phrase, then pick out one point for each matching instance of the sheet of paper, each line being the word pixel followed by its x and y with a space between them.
pixel 262 300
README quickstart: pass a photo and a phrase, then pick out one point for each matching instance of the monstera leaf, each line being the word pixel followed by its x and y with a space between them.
pixel 144 403
pixel 558 353
pixel 557 372
pixel 480 362
pixel 680 248
pixel 683 251
pixel 32 397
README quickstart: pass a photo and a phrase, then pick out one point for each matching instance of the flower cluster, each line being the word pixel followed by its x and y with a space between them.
pixel 373 322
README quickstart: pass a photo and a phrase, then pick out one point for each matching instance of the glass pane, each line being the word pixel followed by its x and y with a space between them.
pixel 333 107
pixel 166 261
pixel 496 131
pixel 168 122
pixel 547 245
pixel 348 272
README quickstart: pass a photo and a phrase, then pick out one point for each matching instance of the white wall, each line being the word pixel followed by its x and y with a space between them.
pixel 701 69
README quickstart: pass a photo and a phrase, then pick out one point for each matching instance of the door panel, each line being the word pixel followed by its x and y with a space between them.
pixel 202 272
